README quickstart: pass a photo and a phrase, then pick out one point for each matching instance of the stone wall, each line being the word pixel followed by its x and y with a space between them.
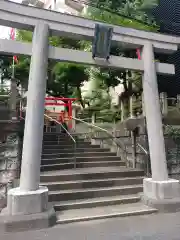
pixel 10 156
pixel 173 156
pixel 142 160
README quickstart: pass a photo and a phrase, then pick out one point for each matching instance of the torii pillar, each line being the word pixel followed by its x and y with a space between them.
pixel 159 191
pixel 27 205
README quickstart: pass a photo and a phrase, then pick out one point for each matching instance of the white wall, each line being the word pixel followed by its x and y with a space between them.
pixel 63 8
pixel 115 93
pixel 48 3
pixel 59 6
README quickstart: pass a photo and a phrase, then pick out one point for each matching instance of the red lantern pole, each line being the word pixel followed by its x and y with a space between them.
pixel 138 53
pixel 70 113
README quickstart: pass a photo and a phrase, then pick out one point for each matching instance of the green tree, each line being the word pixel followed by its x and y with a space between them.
pixel 5 67
pixel 130 11
pixel 63 79
pixel 67 81
pixel 103 12
pixel 97 99
pixel 110 4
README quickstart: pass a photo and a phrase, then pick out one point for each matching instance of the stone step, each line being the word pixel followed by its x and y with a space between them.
pixel 107 158
pixel 70 165
pixel 78 150
pixel 76 194
pixel 53 134
pixel 78 155
pixel 92 183
pixel 86 214
pixel 90 173
pixel 54 137
pixel 62 140
pixel 66 142
pixel 69 143
pixel 96 202
pixel 64 146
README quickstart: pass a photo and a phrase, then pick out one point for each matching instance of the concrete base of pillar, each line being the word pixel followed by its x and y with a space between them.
pixel 162 195
pixel 26 211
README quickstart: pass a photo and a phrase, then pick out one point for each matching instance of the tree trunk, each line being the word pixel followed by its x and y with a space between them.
pixel 79 96
pixel 66 89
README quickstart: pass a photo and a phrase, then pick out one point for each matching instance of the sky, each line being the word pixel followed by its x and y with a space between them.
pixel 4 31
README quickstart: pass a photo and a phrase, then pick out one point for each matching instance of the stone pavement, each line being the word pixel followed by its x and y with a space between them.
pixel 149 227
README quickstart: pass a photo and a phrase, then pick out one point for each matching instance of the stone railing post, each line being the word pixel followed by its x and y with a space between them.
pixel 93 118
pixel 131 107
pixel 178 101
pixel 164 103
pixel 122 111
pixel 73 120
pixel 143 108
pixel 13 99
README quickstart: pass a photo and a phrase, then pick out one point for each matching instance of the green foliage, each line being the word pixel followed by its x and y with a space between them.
pixel 3 92
pixel 5 67
pixel 24 36
pixel 97 99
pixel 132 81
pixel 131 13
pixel 22 70
pixel 65 79
pixel 65 42
pixel 147 5
pixel 68 78
pixel 105 16
pixel 109 77
pixel 62 78
pixel 114 5
pixel 172 150
pixel 172 131
pixel 73 73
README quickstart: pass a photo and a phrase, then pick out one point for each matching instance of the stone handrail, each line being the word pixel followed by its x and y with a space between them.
pixel 71 137
pixel 121 148
pixel 52 119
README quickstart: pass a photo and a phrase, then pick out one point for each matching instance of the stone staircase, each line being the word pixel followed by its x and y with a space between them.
pixel 100 187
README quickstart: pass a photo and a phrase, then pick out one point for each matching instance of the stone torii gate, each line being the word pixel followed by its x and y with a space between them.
pixel 28 204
